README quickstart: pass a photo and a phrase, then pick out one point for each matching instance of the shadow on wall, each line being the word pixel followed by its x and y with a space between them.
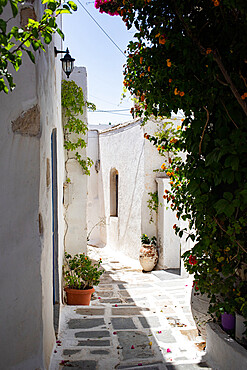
pixel 133 193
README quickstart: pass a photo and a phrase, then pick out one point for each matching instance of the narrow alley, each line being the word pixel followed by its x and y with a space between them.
pixel 135 320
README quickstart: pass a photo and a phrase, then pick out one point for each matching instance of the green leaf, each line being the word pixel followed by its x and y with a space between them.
pixel 27 43
pixel 243 193
pixel 3 25
pixel 221 205
pixel 36 45
pixel 233 162
pixel 228 196
pixel 47 38
pixel 14 8
pixel 61 34
pixel 72 5
pixel 31 56
pixel 51 5
pixel 63 11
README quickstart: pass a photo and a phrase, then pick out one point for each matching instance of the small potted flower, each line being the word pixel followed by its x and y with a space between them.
pixel 148 253
pixel 80 275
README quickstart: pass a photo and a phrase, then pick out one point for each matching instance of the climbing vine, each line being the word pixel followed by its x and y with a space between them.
pixel 153 204
pixel 73 103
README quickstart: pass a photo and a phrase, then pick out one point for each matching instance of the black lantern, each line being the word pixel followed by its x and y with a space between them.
pixel 67 61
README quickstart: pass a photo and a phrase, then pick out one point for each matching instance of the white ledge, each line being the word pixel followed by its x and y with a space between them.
pixel 223 352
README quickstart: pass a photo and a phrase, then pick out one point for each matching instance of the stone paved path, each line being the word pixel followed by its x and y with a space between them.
pixel 135 320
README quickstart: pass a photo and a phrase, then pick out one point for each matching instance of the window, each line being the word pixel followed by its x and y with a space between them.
pixel 114 193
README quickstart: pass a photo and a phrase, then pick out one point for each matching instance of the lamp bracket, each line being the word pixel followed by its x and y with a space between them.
pixel 60 51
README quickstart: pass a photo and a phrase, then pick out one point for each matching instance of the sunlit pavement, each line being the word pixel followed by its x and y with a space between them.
pixel 135 320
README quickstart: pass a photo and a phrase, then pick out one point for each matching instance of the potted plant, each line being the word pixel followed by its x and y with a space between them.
pixel 148 253
pixel 80 275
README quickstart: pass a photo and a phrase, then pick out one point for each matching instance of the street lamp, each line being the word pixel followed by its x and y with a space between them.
pixel 67 61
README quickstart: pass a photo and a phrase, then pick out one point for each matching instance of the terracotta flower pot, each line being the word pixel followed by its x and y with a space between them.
pixel 79 297
pixel 148 257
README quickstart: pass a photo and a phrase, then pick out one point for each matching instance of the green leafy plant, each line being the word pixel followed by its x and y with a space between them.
pixel 73 104
pixel 192 55
pixel 33 36
pixel 80 272
pixel 145 240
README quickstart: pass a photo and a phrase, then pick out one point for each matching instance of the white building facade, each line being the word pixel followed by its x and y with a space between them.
pixel 118 192
pixel 33 219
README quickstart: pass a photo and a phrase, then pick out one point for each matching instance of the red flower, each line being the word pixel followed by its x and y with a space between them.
pixel 192 260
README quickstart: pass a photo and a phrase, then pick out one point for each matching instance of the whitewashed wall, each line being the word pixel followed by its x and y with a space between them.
pixel 124 148
pixel 96 220
pixel 26 309
pixel 75 192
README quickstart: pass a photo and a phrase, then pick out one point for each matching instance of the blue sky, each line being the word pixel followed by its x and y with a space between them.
pixel 104 62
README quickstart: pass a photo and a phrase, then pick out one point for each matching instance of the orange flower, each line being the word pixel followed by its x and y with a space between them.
pixel 141 60
pixel 158 35
pixel 149 68
pixel 178 127
pixel 181 93
pixel 208 51
pixel 163 166
pixel 162 39
pixel 176 92
pixel 142 74
pixel 168 62
pixel 173 140
pixel 216 2
pixel 170 80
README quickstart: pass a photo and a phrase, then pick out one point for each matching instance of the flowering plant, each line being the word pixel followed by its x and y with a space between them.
pixel 99 3
pixel 207 81
pixel 80 272
pixel 145 240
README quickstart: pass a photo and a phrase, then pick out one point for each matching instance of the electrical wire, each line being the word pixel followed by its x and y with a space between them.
pixel 118 114
pixel 112 110
pixel 102 29
pixel 105 101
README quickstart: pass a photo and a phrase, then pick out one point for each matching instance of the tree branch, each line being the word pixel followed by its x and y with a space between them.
pixel 203 133
pixel 216 57
pixel 228 79
pixel 221 227
pixel 228 114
